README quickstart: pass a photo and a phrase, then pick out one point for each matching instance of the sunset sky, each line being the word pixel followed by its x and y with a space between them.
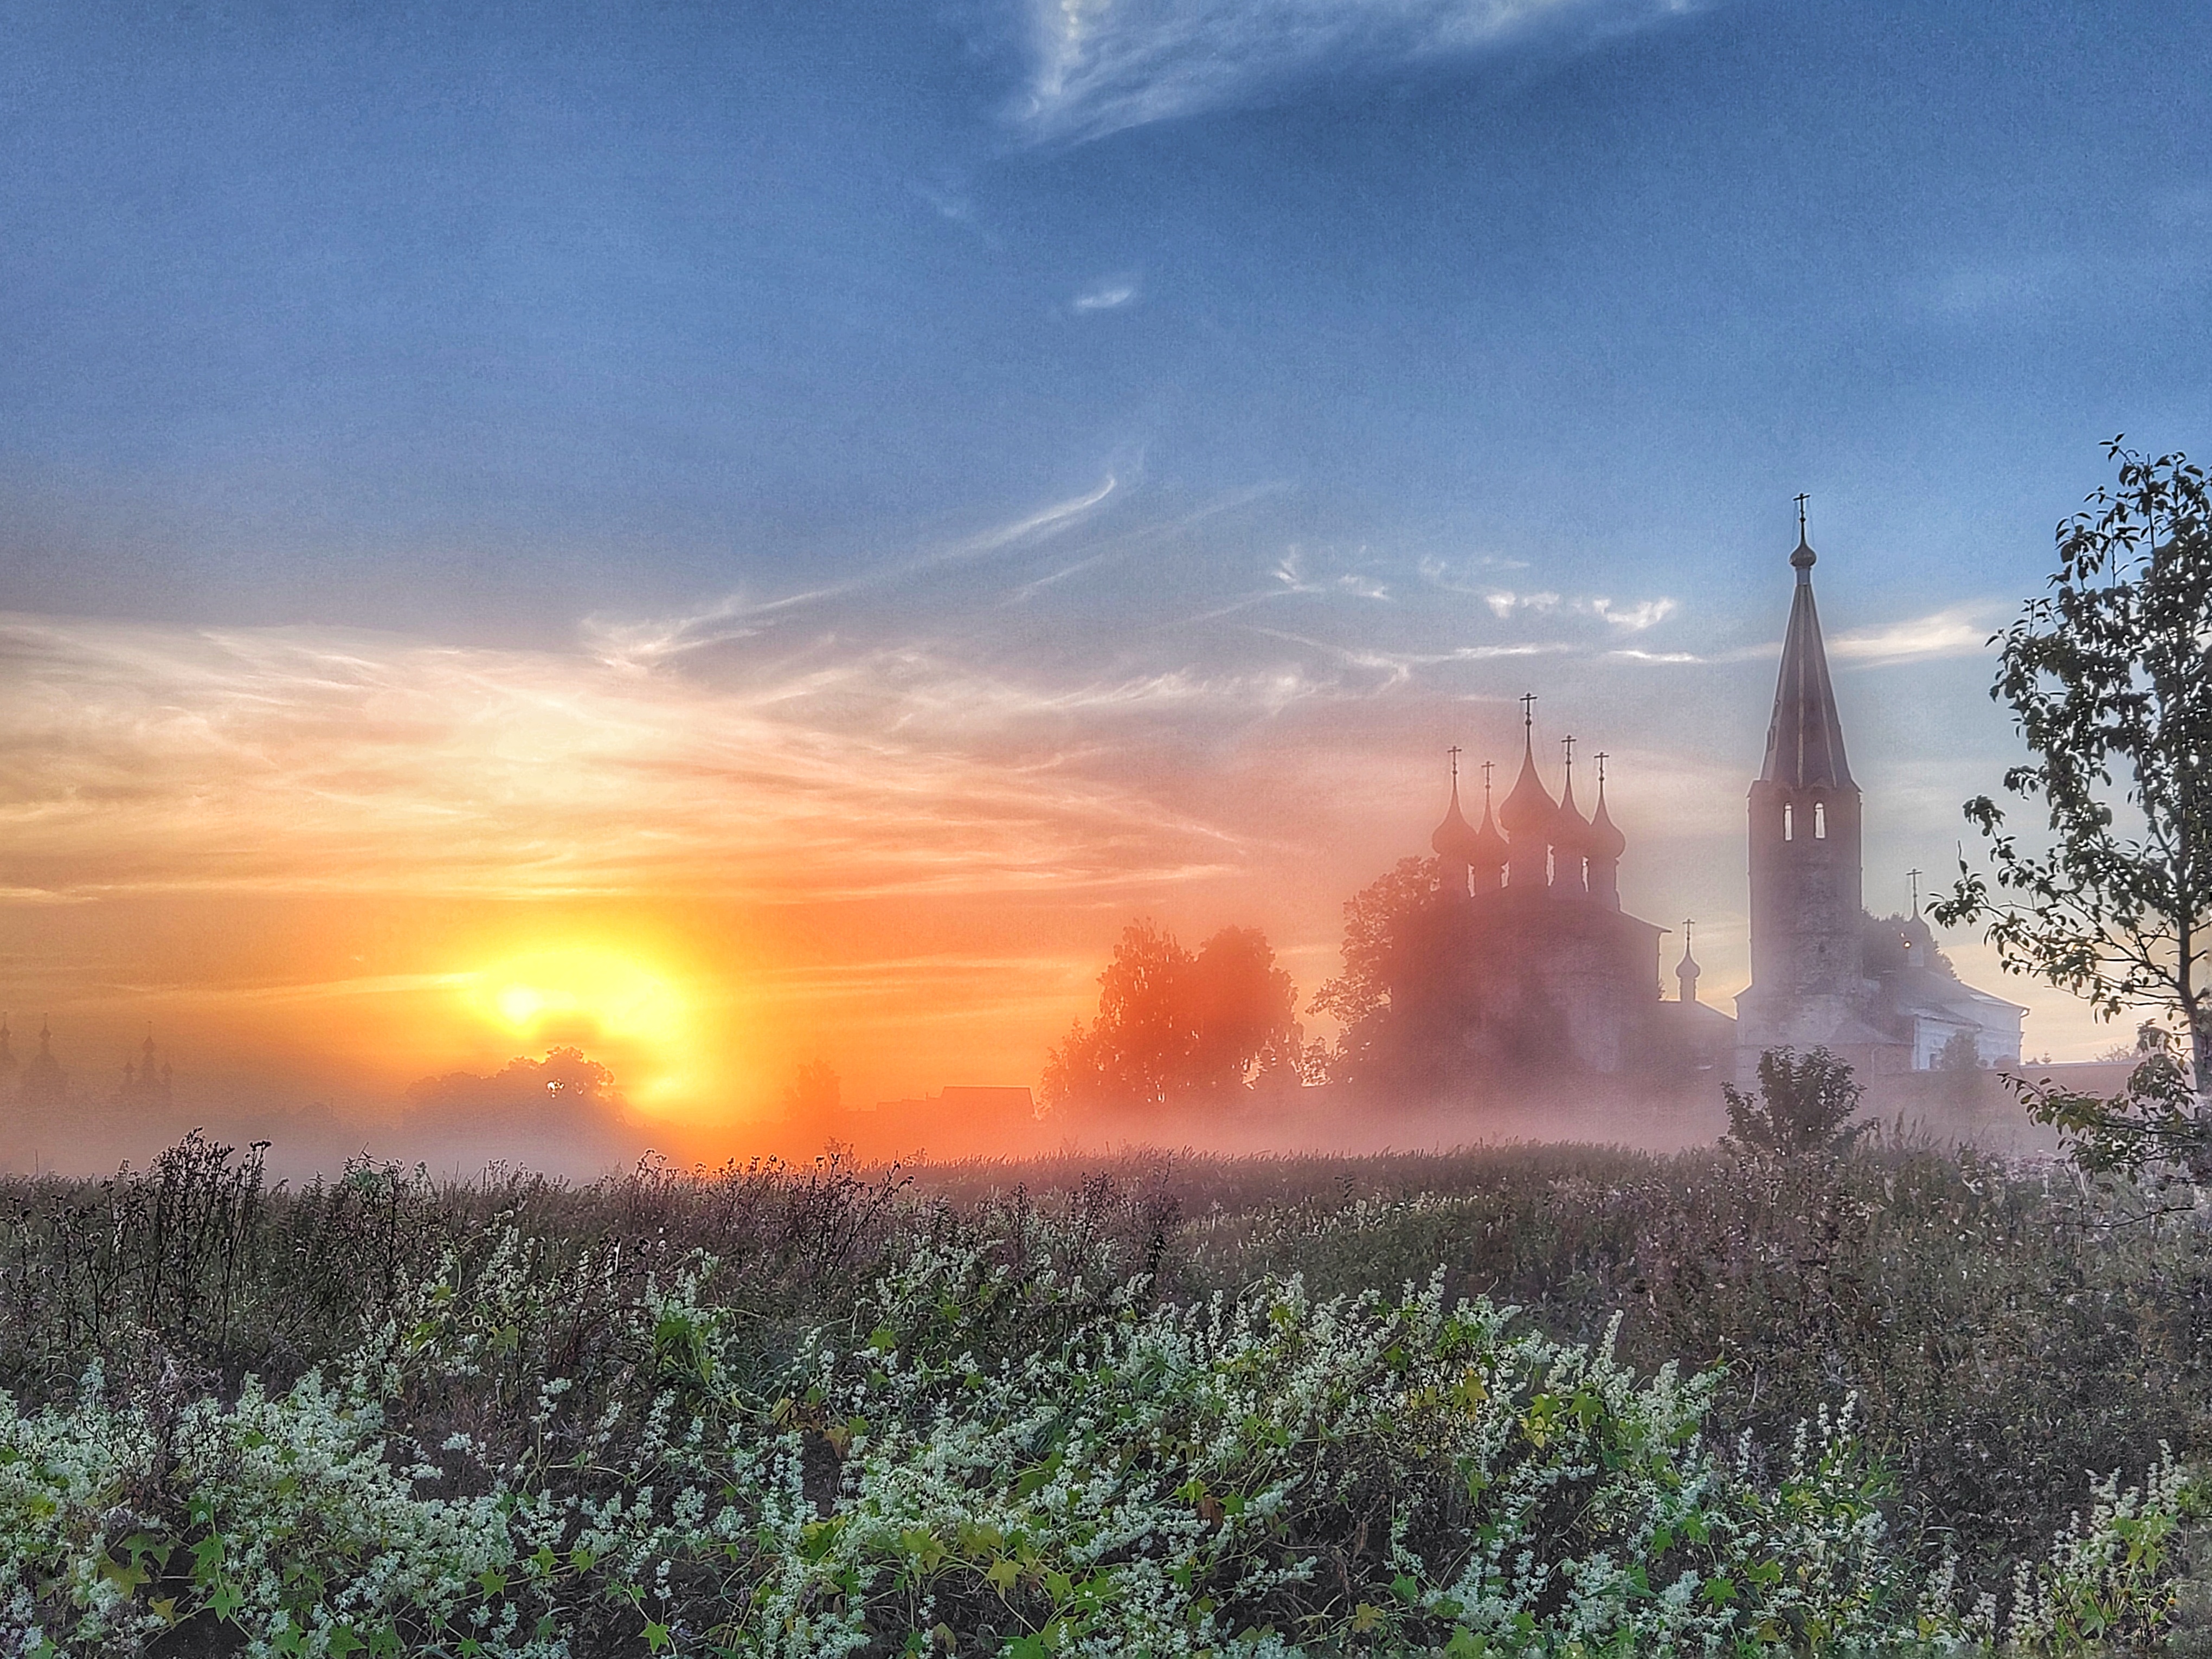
pixel 732 535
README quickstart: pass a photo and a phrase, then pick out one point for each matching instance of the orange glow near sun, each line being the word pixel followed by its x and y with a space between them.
pixel 605 1001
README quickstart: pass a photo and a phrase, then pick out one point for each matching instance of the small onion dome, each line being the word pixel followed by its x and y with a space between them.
pixel 1607 843
pixel 1687 967
pixel 1529 809
pixel 1456 840
pixel 1490 849
pixel 1572 830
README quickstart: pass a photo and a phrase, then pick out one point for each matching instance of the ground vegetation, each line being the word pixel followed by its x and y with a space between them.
pixel 1534 1400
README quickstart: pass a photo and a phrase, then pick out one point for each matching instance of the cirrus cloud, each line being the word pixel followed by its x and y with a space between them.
pixel 1100 66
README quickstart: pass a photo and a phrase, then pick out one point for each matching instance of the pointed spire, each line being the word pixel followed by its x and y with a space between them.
pixel 1805 739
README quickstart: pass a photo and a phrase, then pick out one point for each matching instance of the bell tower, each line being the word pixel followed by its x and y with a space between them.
pixel 1806 971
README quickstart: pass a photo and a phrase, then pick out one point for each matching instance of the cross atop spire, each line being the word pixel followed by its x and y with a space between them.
pixel 1601 758
pixel 1528 710
pixel 1453 752
pixel 1803 560
pixel 1488 767
pixel 1913 876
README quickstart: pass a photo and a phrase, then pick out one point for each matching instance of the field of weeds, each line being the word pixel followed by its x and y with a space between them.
pixel 1522 1399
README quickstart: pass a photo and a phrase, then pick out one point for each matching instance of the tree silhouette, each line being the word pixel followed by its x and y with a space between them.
pixel 1374 923
pixel 1174 1026
pixel 2110 680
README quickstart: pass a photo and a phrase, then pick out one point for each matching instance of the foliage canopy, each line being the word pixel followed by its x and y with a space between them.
pixel 1175 1026
pixel 2109 677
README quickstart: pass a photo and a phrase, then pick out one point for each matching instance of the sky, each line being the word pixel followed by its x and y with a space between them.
pixel 738 535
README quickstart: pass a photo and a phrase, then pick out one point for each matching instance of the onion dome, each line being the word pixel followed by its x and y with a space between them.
pixel 1529 809
pixel 1686 971
pixel 1490 849
pixel 1456 840
pixel 1571 832
pixel 1607 843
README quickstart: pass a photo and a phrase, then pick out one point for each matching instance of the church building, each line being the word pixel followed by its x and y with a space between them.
pixel 1823 973
pixel 1527 963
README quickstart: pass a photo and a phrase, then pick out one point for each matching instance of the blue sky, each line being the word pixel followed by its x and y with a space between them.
pixel 1209 408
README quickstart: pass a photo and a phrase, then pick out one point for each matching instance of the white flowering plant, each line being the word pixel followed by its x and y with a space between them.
pixel 988 1458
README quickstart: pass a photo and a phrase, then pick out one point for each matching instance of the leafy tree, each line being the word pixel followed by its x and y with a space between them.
pixel 1374 921
pixel 1243 1007
pixel 2109 676
pixel 1804 1101
pixel 1173 1026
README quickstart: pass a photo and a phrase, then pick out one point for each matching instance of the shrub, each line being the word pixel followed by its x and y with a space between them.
pixel 1802 1105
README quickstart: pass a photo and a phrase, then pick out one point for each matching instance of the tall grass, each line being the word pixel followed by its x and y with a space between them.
pixel 2007 1337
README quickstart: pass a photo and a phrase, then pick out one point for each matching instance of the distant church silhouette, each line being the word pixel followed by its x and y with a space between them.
pixel 39 1083
pixel 1527 964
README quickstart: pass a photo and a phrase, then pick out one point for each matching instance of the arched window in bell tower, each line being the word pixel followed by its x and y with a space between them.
pixel 1820 820
pixel 1789 822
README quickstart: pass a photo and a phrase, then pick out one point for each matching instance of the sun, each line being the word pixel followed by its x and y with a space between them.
pixel 607 1001
pixel 583 989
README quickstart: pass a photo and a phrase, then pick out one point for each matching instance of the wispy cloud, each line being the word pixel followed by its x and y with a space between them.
pixel 141 758
pixel 738 615
pixel 1963 630
pixel 1110 295
pixel 1504 603
pixel 1099 66
pixel 1632 618
pixel 1291 573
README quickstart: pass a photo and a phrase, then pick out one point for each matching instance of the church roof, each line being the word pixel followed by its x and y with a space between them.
pixel 1805 741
